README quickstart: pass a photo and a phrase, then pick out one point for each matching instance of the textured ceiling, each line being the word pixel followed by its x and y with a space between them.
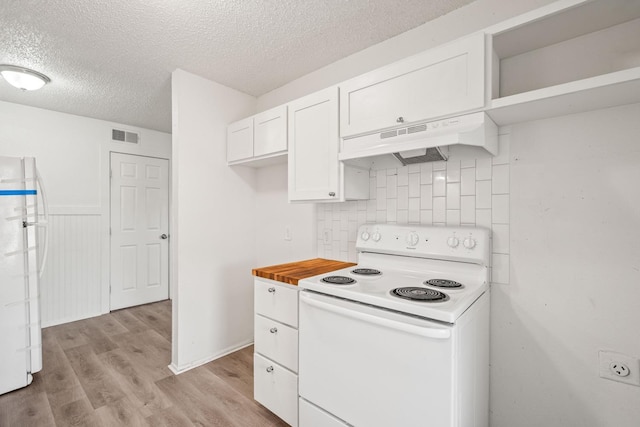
pixel 112 59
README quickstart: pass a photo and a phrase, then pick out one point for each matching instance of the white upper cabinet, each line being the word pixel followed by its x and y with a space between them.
pixel 240 140
pixel 314 172
pixel 259 140
pixel 445 80
pixel 270 132
pixel 566 57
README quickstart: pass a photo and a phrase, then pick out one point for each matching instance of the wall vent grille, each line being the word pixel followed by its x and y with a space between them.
pixel 124 136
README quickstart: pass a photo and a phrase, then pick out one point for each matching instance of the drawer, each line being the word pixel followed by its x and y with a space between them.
pixel 277 341
pixel 276 388
pixel 276 302
pixel 312 416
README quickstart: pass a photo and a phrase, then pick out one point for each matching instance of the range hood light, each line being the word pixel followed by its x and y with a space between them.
pixel 23 78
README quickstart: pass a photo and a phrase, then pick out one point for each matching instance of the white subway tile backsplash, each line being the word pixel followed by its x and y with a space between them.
pixel 483 169
pixel 483 218
pixel 426 197
pixel 392 208
pixel 426 217
pixel 402 216
pixel 500 209
pixel 453 196
pixel 500 181
pixel 426 171
pixel 457 192
pixel 439 166
pixel 453 171
pixel 439 183
pixel 439 209
pixel 392 186
pixel 403 197
pixel 468 209
pixel 414 210
pixel 468 182
pixel 414 184
pixel 414 216
pixel 453 217
pixel 403 176
pixel 483 194
pixel 381 199
pixel 469 163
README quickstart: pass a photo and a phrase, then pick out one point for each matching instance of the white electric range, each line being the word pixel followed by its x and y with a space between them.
pixel 403 337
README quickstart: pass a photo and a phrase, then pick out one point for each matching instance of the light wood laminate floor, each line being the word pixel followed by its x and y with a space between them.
pixel 112 371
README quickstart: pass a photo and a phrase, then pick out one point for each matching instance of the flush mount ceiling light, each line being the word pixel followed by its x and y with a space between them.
pixel 23 78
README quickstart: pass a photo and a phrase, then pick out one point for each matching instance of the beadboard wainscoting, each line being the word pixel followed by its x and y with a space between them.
pixel 467 192
pixel 70 288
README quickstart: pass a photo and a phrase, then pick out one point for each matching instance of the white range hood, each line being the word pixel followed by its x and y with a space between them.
pixel 464 137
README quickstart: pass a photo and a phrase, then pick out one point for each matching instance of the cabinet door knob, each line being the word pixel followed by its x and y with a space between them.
pixel 400 119
pixel 272 290
pixel 270 369
pixel 332 194
pixel 273 330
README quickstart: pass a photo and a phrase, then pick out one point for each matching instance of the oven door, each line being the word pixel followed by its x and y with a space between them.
pixel 373 367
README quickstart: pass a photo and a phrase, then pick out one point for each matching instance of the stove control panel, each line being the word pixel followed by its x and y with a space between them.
pixel 466 244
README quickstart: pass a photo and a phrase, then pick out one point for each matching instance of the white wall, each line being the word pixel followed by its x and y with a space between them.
pixel 274 216
pixel 213 224
pixel 575 273
pixel 72 154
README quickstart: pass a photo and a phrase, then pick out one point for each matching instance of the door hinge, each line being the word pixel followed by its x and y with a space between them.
pixel 109 231
pixel 110 173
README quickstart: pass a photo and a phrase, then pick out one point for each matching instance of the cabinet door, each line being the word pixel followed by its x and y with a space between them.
pixel 270 131
pixel 445 80
pixel 240 140
pixel 314 172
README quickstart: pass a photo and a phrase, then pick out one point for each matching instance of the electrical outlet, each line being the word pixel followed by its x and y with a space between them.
pixel 326 236
pixel 287 233
pixel 619 367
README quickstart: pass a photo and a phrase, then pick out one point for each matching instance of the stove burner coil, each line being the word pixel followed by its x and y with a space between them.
pixel 367 271
pixel 443 283
pixel 338 280
pixel 420 294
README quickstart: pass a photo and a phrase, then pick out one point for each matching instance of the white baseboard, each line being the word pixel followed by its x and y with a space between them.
pixel 177 370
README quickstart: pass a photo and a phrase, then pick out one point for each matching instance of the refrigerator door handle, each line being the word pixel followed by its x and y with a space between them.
pixel 43 223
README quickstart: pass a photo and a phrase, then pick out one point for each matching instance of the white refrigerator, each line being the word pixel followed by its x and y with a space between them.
pixel 21 218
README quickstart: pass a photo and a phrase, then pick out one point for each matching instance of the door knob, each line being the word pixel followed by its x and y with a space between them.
pixel 164 236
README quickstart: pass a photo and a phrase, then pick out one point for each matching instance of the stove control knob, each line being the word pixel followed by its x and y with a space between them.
pixel 412 239
pixel 376 237
pixel 453 242
pixel 469 243
pixel 365 236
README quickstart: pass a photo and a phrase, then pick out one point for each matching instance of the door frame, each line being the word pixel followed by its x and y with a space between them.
pixel 151 144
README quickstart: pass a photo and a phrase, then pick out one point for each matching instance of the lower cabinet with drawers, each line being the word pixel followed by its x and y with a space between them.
pixel 275 367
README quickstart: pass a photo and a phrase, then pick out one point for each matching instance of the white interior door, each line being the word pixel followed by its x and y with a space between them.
pixel 139 230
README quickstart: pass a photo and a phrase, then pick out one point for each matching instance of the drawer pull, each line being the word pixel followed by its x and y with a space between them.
pixel 273 330
pixel 270 369
pixel 272 290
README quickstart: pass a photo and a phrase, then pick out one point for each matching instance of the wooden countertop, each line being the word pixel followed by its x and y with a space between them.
pixel 294 271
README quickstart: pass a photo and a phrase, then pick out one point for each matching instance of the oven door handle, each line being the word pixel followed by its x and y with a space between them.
pixel 380 321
